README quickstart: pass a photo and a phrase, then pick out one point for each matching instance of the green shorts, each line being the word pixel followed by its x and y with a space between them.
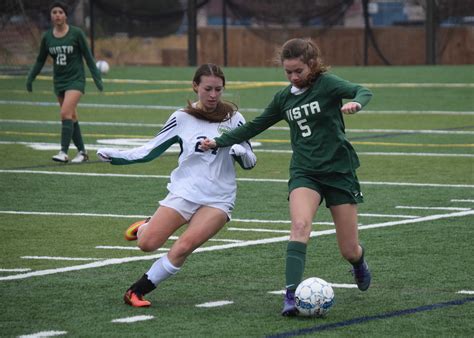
pixel 60 90
pixel 335 188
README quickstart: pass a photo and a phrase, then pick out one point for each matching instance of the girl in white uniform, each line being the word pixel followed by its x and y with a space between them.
pixel 202 189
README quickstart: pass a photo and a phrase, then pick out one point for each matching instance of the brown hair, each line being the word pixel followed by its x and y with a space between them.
pixel 307 51
pixel 224 110
pixel 59 4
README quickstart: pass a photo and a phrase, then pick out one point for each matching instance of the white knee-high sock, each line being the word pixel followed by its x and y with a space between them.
pixel 160 270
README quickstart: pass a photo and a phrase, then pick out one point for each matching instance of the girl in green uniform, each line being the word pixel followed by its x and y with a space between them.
pixel 323 164
pixel 67 46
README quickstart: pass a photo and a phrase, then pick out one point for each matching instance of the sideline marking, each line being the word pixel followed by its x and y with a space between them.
pixel 431 208
pixel 61 258
pixel 250 110
pixel 132 319
pixel 114 261
pixel 160 125
pixel 175 148
pixel 44 334
pixel 43 172
pixel 334 285
pixel 215 304
pixel 360 320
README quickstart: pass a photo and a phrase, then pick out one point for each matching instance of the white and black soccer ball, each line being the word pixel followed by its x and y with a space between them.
pixel 314 297
pixel 103 66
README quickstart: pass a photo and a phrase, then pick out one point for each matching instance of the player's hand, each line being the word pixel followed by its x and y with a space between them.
pixel 207 144
pixel 29 87
pixel 351 107
pixel 103 155
pixel 237 150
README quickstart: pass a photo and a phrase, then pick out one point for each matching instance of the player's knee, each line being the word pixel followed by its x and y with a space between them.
pixel 146 245
pixel 300 230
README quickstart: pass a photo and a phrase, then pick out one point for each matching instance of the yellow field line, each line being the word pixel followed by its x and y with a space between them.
pixel 147 91
pixel 254 84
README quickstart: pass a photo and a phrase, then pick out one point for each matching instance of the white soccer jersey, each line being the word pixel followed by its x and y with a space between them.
pixel 202 177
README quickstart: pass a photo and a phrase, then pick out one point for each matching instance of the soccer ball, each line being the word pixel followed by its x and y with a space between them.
pixel 103 66
pixel 314 297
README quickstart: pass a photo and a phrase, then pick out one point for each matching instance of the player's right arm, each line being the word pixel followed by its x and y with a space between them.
pixel 149 151
pixel 268 118
pixel 40 60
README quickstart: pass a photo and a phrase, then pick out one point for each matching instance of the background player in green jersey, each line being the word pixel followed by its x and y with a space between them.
pixel 67 46
pixel 323 164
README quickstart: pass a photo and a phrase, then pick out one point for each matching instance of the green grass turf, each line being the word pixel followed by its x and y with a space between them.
pixel 413 264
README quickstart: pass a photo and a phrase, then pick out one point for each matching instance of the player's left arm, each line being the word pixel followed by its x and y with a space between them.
pixel 86 52
pixel 358 95
pixel 243 153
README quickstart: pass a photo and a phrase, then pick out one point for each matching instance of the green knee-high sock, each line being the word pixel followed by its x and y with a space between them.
pixel 67 130
pixel 77 137
pixel 295 262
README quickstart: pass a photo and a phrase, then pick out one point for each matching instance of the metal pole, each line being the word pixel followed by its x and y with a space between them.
pixel 192 33
pixel 430 27
pixel 92 24
pixel 224 30
pixel 365 11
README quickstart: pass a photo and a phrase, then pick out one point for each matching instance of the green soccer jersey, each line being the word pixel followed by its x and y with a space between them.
pixel 317 130
pixel 67 53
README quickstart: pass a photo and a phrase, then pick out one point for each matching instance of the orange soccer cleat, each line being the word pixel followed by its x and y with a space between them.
pixel 132 230
pixel 132 299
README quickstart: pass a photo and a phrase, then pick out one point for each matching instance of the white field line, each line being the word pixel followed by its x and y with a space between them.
pixel 334 285
pixel 85 214
pixel 389 216
pixel 133 319
pixel 215 304
pixel 115 261
pixel 237 220
pixel 266 180
pixel 44 334
pixel 431 208
pixel 175 149
pixel 117 247
pixel 462 201
pixel 50 258
pixel 466 292
pixel 250 110
pixel 369 153
pixel 275 231
pixel 15 270
pixel 159 125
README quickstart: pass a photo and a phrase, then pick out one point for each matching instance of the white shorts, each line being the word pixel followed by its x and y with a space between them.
pixel 187 208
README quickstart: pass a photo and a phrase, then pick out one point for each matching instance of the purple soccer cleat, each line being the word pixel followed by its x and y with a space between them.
pixel 362 276
pixel 289 305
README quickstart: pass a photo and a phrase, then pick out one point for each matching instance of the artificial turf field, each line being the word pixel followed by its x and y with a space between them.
pixel 64 264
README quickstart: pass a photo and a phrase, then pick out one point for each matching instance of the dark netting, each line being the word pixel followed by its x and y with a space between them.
pixel 450 14
pixel 140 17
pixel 290 14
pixel 300 12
